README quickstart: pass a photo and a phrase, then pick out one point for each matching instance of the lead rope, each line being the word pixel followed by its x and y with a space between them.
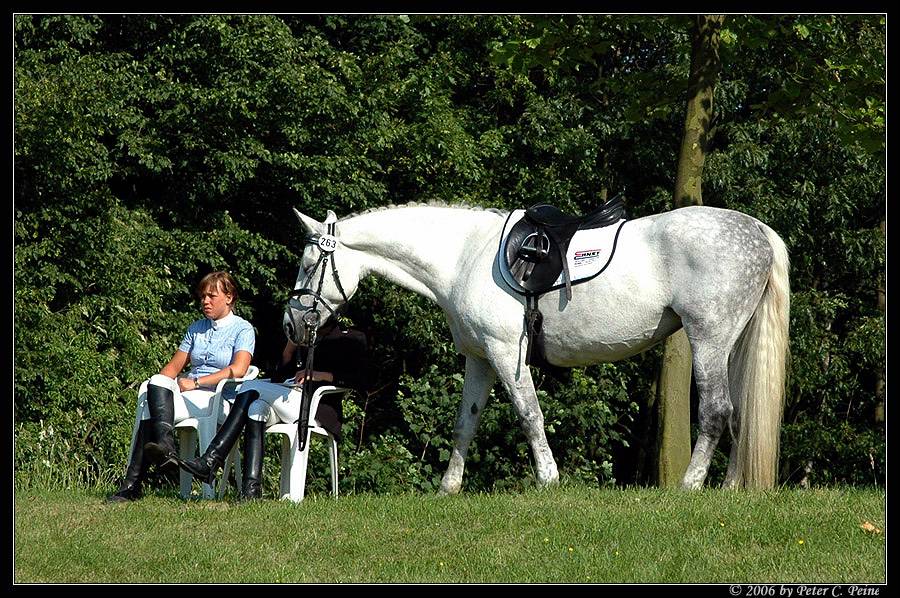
pixel 311 331
pixel 306 394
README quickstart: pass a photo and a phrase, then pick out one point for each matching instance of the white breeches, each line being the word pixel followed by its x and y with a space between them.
pixel 276 403
pixel 192 403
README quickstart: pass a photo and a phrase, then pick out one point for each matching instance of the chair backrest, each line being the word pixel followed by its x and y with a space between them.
pixel 223 385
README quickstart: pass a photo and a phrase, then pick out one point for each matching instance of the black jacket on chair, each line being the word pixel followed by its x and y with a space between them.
pixel 343 353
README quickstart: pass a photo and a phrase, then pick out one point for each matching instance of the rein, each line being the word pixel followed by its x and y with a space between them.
pixel 304 314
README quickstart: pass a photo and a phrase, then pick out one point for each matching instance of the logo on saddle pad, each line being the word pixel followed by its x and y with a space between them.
pixel 586 257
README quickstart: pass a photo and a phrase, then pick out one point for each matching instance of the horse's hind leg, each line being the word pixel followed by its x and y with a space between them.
pixel 733 476
pixel 480 378
pixel 714 410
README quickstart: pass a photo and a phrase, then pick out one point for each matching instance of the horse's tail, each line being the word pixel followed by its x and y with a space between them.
pixel 758 369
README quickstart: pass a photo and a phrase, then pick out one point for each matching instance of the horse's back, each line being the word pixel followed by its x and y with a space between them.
pixel 706 223
pixel 666 266
pixel 707 241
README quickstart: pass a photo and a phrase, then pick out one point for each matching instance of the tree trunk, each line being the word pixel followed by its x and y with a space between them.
pixel 673 400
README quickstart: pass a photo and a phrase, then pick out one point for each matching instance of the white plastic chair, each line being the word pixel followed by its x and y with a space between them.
pixel 294 462
pixel 197 431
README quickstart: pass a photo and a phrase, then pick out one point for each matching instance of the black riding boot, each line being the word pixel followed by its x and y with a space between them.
pixel 253 459
pixel 130 488
pixel 207 465
pixel 161 441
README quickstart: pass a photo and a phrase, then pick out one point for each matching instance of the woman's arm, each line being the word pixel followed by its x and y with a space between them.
pixel 287 364
pixel 236 369
pixel 350 370
pixel 175 365
pixel 344 363
pixel 287 354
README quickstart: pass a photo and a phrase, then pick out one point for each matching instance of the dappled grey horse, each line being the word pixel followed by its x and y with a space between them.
pixel 720 274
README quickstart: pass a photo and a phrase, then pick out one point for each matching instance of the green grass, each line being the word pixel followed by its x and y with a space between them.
pixel 578 535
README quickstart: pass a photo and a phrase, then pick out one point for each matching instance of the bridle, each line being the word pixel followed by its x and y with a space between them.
pixel 302 312
pixel 303 315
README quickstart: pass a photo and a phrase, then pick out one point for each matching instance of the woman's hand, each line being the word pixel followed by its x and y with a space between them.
pixel 317 376
pixel 185 384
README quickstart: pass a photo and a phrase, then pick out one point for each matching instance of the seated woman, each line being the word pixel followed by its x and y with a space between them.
pixel 340 359
pixel 219 346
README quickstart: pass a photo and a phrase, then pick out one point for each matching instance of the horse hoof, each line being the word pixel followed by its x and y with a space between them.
pixel 449 489
pixel 692 486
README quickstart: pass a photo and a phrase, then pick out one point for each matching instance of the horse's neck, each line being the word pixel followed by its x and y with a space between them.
pixel 418 248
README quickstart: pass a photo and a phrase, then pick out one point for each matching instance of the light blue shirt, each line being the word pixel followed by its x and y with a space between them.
pixel 212 344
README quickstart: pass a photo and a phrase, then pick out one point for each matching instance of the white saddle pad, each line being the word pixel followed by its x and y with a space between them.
pixel 590 252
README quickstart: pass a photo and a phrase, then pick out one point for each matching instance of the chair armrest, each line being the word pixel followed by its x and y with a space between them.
pixel 215 406
pixel 331 389
pixel 252 373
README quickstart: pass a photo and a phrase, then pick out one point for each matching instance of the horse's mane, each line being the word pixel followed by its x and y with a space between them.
pixel 430 204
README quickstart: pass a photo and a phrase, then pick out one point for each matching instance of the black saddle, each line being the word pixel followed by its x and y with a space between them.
pixel 536 246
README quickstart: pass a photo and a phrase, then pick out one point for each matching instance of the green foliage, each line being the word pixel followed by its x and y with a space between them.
pixel 816 67
pixel 150 149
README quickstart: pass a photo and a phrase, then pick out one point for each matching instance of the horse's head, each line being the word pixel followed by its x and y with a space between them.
pixel 327 279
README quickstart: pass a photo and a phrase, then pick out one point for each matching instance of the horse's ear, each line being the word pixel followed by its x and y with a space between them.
pixel 330 218
pixel 311 225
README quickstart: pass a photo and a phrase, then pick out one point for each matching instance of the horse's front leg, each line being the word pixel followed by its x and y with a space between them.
pixel 480 378
pixel 516 379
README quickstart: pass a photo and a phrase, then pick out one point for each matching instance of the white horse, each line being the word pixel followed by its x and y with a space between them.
pixel 720 274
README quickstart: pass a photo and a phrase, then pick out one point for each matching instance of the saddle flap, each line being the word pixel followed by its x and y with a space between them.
pixel 532 256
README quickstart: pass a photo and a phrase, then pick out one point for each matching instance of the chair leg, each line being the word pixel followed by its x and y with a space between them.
pixel 333 457
pixel 232 463
pixel 205 435
pixel 295 466
pixel 299 464
pixel 287 460
pixel 238 470
pixel 186 442
pixel 305 466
